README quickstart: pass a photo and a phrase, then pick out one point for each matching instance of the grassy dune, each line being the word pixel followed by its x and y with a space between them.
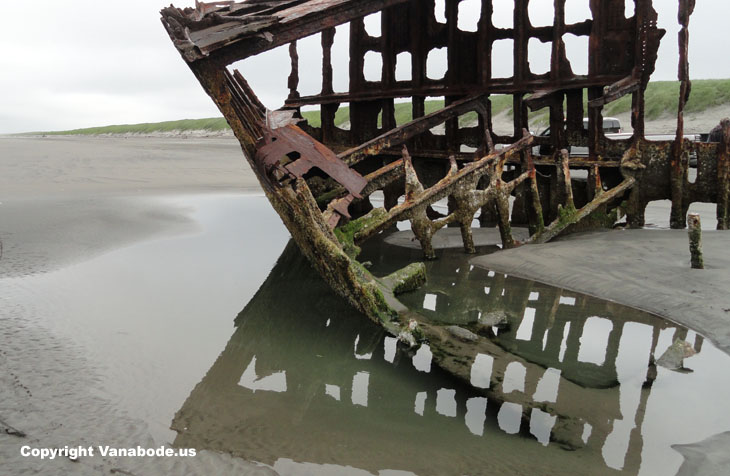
pixel 661 99
pixel 212 124
pixel 404 113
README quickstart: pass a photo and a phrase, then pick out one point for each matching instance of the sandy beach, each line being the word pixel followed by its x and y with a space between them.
pixel 77 203
pixel 65 201
pixel 65 198
pixel 69 166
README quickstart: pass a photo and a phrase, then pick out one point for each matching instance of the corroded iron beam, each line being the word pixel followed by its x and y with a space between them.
pixel 417 197
pixel 495 174
pixel 400 135
pixel 230 33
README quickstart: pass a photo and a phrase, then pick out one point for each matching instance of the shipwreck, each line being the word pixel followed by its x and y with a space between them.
pixel 319 177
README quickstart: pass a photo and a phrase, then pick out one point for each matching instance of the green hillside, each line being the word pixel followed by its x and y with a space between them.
pixel 212 124
pixel 661 99
pixel 404 112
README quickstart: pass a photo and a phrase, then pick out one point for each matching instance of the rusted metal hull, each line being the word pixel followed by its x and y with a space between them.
pixel 319 179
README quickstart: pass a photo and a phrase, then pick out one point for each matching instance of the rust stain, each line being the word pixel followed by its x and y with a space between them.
pixel 304 153
pixel 320 177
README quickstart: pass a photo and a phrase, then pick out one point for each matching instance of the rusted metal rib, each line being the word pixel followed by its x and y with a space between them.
pixel 417 126
pixel 231 33
pixel 305 153
pixel 617 90
pixel 441 189
pixel 284 151
pixel 562 222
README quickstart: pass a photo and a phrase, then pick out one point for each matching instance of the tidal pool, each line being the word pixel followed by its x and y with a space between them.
pixel 299 381
pixel 304 378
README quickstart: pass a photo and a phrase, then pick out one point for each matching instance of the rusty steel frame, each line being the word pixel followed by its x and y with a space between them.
pixel 319 179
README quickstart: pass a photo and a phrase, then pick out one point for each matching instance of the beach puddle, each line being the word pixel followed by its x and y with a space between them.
pixel 299 381
pixel 572 385
pixel 152 316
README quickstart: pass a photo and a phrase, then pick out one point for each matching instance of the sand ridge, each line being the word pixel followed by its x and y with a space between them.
pixel 644 269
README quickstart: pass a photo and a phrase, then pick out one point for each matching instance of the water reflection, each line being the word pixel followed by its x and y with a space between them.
pixel 305 378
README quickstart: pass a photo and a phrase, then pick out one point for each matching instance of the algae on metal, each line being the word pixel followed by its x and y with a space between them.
pixel 213 36
pixel 406 279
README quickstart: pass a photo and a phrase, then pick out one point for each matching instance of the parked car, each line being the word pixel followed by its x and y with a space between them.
pixel 611 125
pixel 613 130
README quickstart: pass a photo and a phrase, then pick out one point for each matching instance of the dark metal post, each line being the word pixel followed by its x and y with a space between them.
pixel 695 241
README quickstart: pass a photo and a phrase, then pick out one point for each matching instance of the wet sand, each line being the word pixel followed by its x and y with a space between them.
pixel 85 197
pixel 47 390
pixel 84 166
pixel 63 202
pixel 67 199
pixel 643 269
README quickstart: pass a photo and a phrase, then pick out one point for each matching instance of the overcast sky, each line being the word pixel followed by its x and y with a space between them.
pixel 83 63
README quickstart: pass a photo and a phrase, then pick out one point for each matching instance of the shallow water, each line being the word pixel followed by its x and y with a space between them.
pixel 154 315
pixel 299 381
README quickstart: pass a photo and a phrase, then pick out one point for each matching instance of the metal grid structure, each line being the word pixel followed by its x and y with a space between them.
pixel 319 179
pixel 411 27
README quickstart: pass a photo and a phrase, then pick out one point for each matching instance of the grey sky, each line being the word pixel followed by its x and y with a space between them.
pixel 85 63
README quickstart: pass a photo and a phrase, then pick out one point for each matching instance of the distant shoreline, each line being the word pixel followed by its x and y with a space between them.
pixel 708 104
pixel 64 166
pixel 694 123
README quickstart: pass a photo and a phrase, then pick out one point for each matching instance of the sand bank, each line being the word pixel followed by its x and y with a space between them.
pixel 63 166
pixel 644 269
pixel 65 199
pixel 44 234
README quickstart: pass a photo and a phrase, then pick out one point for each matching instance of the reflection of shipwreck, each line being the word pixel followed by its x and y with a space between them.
pixel 302 378
pixel 319 179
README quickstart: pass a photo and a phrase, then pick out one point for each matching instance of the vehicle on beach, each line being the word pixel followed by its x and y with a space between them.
pixel 613 130
pixel 611 127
